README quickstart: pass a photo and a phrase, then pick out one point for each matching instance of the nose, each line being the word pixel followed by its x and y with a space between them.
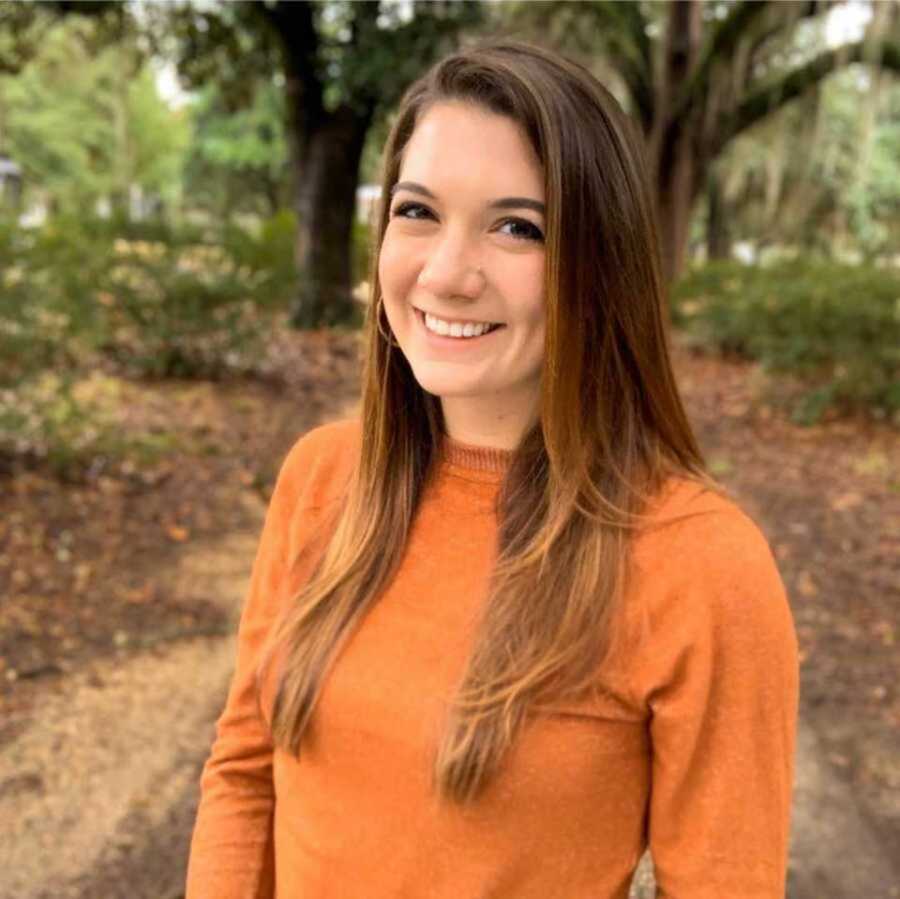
pixel 450 269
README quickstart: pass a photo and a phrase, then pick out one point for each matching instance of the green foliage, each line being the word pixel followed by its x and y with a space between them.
pixel 145 299
pixel 268 253
pixel 369 53
pixel 836 327
pixel 805 177
pixel 68 423
pixel 47 286
pixel 162 300
pixel 868 200
pixel 87 124
pixel 238 159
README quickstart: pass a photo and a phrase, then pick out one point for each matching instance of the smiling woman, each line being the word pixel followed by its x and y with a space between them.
pixel 470 248
pixel 504 633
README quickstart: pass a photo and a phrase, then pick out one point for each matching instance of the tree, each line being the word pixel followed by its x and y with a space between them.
pixel 796 178
pixel 697 75
pixel 238 160
pixel 23 26
pixel 345 65
pixel 84 120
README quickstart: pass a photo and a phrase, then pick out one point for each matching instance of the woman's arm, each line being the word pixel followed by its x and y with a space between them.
pixel 722 686
pixel 232 847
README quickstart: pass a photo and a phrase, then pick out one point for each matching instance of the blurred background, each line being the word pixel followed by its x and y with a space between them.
pixel 186 192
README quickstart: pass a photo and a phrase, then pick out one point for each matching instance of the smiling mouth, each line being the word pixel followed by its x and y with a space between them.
pixel 456 321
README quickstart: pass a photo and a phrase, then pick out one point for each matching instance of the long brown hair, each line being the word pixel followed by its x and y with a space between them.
pixel 611 429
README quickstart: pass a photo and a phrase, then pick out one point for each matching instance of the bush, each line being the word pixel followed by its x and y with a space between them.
pixel 70 424
pixel 48 282
pixel 179 301
pixel 155 299
pixel 268 256
pixel 836 327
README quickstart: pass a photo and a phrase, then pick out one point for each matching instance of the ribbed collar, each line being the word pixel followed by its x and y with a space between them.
pixel 471 457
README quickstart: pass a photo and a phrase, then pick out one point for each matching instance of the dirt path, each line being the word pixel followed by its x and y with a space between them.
pixel 836 851
pixel 114 755
pixel 96 804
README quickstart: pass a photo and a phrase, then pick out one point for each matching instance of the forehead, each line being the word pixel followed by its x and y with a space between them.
pixel 461 146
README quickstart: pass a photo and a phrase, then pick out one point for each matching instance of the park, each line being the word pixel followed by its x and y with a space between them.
pixel 189 194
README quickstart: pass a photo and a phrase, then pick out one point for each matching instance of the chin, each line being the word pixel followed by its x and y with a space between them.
pixel 446 387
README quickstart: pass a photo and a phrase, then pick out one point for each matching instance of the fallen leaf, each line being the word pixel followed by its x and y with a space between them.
pixel 177 533
pixel 846 501
pixel 82 576
pixel 806 585
pixel 140 595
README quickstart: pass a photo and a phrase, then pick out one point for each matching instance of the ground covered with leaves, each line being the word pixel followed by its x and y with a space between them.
pixel 84 562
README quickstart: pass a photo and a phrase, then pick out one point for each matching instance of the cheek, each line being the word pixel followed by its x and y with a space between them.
pixel 384 270
pixel 530 288
pixel 394 269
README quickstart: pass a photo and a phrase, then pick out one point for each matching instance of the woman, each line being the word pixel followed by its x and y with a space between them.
pixel 504 633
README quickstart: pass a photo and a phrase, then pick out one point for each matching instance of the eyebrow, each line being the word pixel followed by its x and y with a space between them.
pixel 502 203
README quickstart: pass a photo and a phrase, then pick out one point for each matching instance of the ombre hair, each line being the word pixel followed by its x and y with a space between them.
pixel 611 431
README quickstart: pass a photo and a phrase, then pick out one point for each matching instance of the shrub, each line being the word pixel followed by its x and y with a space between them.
pixel 268 256
pixel 48 281
pixel 836 327
pixel 163 301
pixel 156 299
pixel 69 423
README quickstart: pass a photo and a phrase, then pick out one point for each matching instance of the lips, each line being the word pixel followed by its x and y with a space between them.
pixel 466 321
pixel 454 344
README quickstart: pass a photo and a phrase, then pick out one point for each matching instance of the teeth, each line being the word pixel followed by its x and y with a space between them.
pixel 439 326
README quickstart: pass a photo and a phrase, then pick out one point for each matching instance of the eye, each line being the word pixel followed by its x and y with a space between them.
pixel 526 230
pixel 404 210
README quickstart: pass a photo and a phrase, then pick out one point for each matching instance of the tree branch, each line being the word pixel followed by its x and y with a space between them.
pixel 763 101
pixel 365 17
pixel 294 26
pixel 630 45
pixel 721 44
pixel 748 18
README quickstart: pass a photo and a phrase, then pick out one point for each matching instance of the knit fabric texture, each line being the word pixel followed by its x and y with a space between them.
pixel 687 746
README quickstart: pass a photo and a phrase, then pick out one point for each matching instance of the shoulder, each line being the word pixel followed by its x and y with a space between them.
pixel 691 528
pixel 708 605
pixel 705 564
pixel 320 463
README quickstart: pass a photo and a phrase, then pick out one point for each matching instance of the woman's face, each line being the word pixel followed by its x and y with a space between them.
pixel 469 197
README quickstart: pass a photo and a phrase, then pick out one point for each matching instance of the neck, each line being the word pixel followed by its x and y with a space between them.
pixel 491 419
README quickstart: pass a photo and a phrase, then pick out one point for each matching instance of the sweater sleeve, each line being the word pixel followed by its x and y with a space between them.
pixel 231 855
pixel 721 682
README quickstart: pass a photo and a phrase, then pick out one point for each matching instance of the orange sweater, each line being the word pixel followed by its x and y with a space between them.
pixel 691 750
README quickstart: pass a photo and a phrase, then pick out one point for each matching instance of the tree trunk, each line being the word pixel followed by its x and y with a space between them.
pixel 672 142
pixel 718 237
pixel 326 179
